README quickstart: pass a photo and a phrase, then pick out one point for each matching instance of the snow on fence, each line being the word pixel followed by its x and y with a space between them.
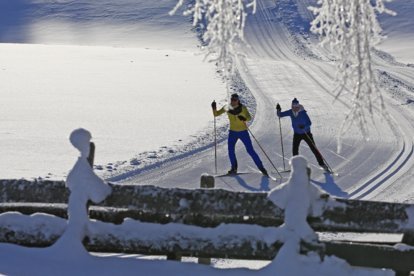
pixel 129 204
pixel 204 223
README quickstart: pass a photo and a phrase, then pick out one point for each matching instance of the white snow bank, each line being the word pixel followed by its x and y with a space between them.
pixel 297 197
pixel 48 261
pixel 399 31
pixel 50 226
pixel 133 100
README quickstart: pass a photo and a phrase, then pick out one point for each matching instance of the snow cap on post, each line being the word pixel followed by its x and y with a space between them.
pixel 80 139
pixel 298 198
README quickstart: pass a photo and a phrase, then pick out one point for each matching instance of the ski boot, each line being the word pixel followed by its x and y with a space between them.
pixel 264 172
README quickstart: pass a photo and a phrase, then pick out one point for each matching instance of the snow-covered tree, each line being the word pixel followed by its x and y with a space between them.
pixel 350 28
pixel 223 22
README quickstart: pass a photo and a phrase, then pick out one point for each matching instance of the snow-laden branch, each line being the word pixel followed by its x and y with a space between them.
pixel 223 21
pixel 350 29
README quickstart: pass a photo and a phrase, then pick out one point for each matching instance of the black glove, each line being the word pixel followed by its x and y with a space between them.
pixel 241 118
pixel 278 108
pixel 301 126
pixel 214 105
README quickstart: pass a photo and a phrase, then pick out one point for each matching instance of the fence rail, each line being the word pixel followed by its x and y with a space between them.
pixel 210 208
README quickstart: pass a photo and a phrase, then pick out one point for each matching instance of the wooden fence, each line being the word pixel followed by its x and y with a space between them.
pixel 211 208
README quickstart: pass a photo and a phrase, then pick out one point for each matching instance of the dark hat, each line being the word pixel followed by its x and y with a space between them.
pixel 234 96
pixel 295 101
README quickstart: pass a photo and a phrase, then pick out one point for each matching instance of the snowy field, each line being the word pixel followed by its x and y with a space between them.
pixel 152 98
pixel 134 77
pixel 132 100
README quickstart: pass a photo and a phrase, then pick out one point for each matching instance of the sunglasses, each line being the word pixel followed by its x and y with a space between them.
pixel 234 99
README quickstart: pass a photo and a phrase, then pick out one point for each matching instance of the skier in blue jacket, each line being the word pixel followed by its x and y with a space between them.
pixel 301 125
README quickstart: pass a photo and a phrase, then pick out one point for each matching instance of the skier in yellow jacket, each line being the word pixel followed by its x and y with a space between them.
pixel 238 116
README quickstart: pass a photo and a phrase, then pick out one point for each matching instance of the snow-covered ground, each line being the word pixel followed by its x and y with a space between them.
pixel 148 99
pixel 284 61
pixel 132 99
pixel 150 103
pixel 297 197
pixel 141 97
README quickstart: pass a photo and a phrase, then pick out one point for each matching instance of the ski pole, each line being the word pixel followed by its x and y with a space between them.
pixel 268 158
pixel 215 144
pixel 281 141
pixel 323 158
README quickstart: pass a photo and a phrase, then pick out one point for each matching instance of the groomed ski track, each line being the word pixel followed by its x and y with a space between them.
pixel 277 68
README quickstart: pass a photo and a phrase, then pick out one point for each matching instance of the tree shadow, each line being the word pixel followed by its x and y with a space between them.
pixel 15 20
pixel 330 186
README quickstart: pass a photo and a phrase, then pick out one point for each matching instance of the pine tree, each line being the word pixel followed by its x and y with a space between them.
pixel 223 22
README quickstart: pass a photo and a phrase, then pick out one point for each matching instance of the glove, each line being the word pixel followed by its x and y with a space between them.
pixel 214 105
pixel 241 118
pixel 301 126
pixel 278 108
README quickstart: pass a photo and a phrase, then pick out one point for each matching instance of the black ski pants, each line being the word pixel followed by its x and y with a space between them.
pixel 308 137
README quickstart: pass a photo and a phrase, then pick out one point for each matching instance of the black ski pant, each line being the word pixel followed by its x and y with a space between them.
pixel 308 137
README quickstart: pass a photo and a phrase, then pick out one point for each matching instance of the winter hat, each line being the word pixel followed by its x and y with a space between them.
pixel 235 96
pixel 295 101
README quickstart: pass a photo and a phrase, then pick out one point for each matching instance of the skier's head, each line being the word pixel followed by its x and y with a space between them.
pixel 234 100
pixel 295 105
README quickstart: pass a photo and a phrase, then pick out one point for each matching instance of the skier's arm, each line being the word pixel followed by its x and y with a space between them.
pixel 283 114
pixel 246 114
pixel 307 119
pixel 218 112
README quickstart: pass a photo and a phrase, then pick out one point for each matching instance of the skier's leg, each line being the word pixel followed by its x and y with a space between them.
pixel 245 138
pixel 231 143
pixel 311 143
pixel 295 145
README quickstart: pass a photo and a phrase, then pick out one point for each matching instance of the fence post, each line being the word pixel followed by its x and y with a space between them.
pixel 90 159
pixel 174 257
pixel 91 156
pixel 206 182
pixel 408 238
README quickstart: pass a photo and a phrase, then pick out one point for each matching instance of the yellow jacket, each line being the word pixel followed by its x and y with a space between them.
pixel 235 123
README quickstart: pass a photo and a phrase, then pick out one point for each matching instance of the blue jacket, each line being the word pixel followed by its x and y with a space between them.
pixel 301 119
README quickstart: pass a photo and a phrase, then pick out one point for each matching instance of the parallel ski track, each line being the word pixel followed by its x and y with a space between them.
pixel 270 44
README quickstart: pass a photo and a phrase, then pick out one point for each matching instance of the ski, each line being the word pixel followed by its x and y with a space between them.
pixel 231 174
pixel 284 171
pixel 268 176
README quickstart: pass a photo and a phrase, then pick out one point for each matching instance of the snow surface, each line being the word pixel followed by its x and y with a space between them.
pixel 171 148
pixel 50 261
pixel 399 31
pixel 283 61
pixel 133 100
pixel 84 185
